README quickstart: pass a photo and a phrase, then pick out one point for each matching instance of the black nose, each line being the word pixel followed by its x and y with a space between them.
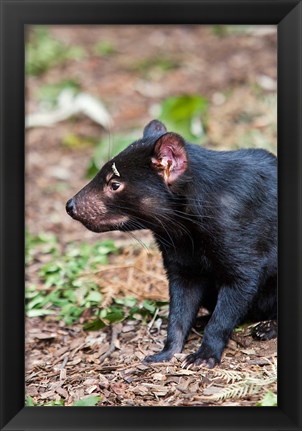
pixel 70 206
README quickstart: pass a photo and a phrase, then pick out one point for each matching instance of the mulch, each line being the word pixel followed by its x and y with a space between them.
pixel 67 363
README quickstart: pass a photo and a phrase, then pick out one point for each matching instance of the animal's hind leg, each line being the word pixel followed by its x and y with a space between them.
pixel 233 301
pixel 264 306
pixel 265 330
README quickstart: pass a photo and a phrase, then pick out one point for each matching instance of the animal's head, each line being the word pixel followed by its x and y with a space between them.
pixel 134 189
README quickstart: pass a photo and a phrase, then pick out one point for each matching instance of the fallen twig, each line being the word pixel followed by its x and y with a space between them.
pixel 116 329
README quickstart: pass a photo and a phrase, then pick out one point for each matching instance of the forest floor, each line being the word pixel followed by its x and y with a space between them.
pixel 131 69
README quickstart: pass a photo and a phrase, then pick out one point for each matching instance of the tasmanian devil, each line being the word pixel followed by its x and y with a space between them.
pixel 213 215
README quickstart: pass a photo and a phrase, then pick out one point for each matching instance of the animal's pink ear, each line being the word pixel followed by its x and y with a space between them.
pixel 170 157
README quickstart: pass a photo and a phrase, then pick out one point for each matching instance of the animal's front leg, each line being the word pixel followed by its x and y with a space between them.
pixel 232 305
pixel 185 298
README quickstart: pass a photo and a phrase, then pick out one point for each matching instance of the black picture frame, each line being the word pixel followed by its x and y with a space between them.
pixel 287 15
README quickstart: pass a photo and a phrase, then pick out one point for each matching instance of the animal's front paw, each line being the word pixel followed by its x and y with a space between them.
pixel 201 358
pixel 159 357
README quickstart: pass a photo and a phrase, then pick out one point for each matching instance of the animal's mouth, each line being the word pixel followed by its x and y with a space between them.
pixel 104 225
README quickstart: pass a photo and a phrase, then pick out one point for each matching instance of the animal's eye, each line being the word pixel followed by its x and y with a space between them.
pixel 114 185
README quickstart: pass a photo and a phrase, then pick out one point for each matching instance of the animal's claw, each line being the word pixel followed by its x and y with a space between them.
pixel 198 359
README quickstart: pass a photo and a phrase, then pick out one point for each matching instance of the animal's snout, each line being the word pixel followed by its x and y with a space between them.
pixel 70 207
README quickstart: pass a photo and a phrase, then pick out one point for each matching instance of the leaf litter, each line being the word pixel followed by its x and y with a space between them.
pixel 68 364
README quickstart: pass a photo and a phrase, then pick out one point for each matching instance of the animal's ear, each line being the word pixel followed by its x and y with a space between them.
pixel 154 128
pixel 170 157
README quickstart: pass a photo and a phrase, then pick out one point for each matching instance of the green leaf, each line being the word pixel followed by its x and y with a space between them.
pixel 228 30
pixel 105 247
pixel 128 301
pixel 104 48
pixel 48 93
pixel 105 149
pixel 269 400
pixel 76 142
pixel 31 291
pixel 62 290
pixel 158 64
pixel 50 268
pixel 95 325
pixel 94 296
pixel 186 115
pixel 114 314
pixel 39 312
pixel 53 403
pixel 87 402
pixel 178 108
pixel 34 302
pixel 35 244
pixel 43 51
pixel 71 312
pixel 29 402
pixel 99 260
pixel 149 305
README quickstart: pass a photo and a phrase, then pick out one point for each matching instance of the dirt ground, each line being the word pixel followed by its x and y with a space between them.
pixel 237 73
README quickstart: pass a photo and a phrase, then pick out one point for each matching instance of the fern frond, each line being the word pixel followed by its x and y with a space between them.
pixel 230 375
pixel 273 364
pixel 236 390
pixel 242 389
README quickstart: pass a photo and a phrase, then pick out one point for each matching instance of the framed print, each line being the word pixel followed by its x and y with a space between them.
pixel 151 185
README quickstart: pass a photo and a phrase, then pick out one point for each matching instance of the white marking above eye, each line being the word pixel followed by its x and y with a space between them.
pixel 114 169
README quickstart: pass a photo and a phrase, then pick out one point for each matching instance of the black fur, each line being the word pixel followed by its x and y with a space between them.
pixel 214 217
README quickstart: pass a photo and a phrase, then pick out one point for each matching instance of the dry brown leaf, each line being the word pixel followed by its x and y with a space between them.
pixel 248 351
pixel 183 385
pixel 76 361
pixel 45 336
pixel 31 390
pixel 62 392
pixel 183 372
pixel 47 394
pixel 63 374
pixel 159 376
pixel 140 390
pixel 91 389
pixel 194 387
pixel 163 392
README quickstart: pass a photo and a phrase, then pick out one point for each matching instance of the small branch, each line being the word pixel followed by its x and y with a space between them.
pixel 153 319
pixel 197 333
pixel 114 334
